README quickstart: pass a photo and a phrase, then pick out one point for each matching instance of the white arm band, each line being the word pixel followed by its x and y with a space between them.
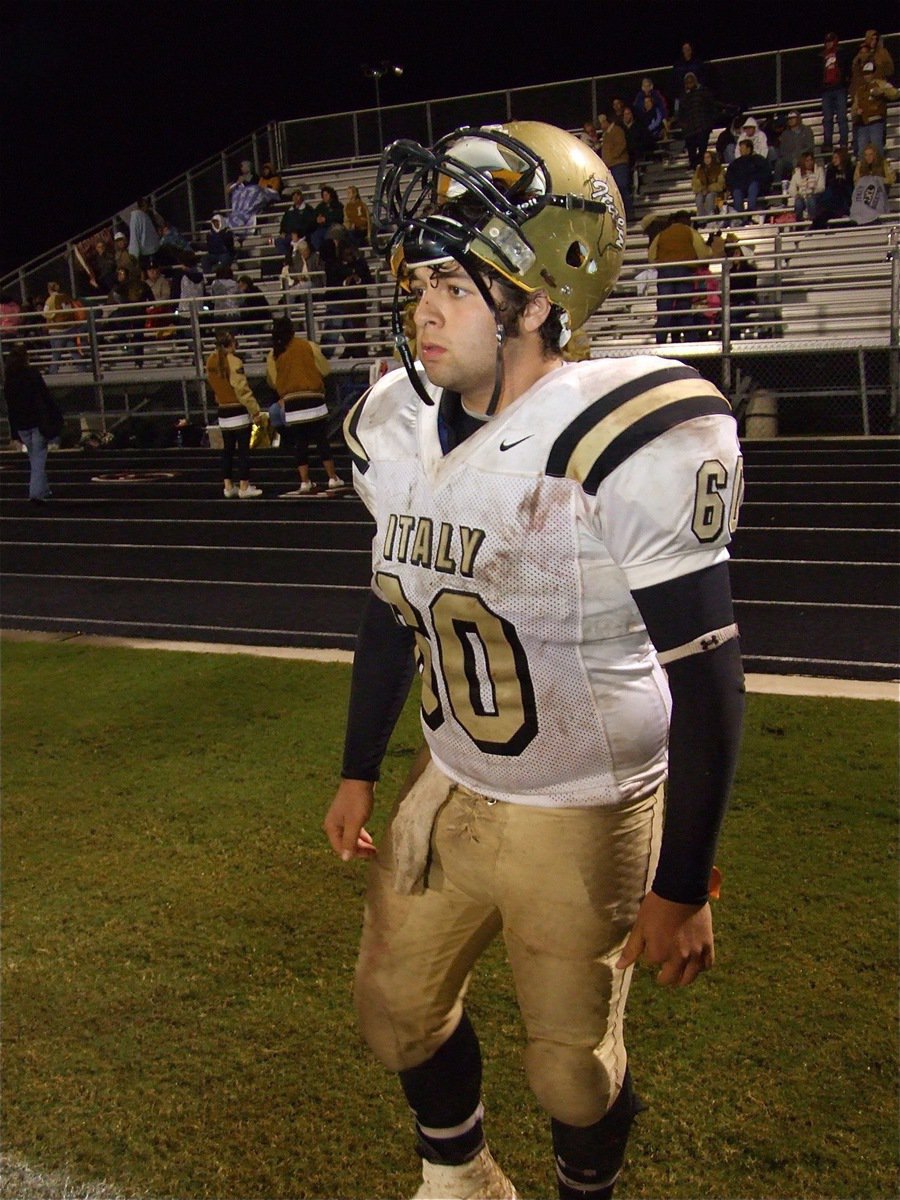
pixel 700 645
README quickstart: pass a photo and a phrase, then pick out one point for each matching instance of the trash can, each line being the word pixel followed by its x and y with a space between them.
pixel 762 414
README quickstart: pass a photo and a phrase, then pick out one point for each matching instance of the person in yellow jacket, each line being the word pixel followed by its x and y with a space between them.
pixel 296 370
pixel 238 410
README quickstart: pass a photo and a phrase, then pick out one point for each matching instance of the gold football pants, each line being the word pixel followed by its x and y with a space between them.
pixel 563 887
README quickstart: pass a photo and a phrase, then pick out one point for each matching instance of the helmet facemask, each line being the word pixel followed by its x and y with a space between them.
pixel 487 199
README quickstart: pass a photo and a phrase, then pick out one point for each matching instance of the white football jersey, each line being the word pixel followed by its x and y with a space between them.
pixel 512 558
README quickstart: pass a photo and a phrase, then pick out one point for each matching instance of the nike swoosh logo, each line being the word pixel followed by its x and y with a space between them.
pixel 509 445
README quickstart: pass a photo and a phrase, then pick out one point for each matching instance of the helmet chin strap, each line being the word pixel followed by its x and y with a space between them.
pixel 401 341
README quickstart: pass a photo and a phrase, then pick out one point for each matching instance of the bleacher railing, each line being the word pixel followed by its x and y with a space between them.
pixel 807 291
pixel 189 200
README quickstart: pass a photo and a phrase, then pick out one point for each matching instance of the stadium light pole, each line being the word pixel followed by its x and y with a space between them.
pixel 376 74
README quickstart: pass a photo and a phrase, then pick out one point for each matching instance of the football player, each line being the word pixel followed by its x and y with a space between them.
pixel 551 549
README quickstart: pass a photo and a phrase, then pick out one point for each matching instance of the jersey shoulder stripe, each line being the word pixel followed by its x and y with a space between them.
pixel 351 433
pixel 612 428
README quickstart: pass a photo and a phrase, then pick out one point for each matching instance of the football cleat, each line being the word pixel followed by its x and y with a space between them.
pixel 479 1179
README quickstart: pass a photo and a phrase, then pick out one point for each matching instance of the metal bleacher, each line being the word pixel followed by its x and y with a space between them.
pixel 831 289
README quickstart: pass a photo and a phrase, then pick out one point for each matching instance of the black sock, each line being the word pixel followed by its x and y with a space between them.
pixel 589 1158
pixel 444 1093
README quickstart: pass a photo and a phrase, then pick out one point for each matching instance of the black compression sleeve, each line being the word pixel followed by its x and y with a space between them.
pixel 383 668
pixel 704 737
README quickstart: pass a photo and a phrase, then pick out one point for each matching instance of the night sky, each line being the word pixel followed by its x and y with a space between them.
pixel 103 101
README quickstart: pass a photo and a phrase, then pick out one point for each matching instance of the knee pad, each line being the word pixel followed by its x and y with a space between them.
pixel 398 1034
pixel 569 1082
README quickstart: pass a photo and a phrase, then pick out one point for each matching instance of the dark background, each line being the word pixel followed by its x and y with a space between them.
pixel 103 101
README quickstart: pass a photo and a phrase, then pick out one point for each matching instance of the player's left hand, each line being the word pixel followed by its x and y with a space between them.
pixel 678 936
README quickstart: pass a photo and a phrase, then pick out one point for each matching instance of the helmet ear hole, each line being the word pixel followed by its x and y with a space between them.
pixel 577 254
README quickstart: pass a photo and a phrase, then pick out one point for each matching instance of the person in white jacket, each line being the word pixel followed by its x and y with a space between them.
pixel 806 187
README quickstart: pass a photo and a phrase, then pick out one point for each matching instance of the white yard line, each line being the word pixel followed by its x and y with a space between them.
pixel 775 685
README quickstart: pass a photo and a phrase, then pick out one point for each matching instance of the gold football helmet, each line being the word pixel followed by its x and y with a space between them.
pixel 526 199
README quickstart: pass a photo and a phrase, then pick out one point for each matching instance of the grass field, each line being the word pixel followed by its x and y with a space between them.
pixel 179 944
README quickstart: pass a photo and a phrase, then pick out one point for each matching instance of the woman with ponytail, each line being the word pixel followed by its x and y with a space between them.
pixel 238 410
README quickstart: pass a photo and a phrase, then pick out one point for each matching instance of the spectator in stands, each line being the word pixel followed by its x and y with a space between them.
pixel 658 101
pixel 30 407
pixel 296 370
pixel 126 321
pixel 806 187
pixel 750 130
pixel 706 310
pixel 270 181
pixel 653 117
pixel 726 142
pixel 698 113
pixel 614 152
pixel 173 245
pixel 253 307
pixel 356 218
pixel 672 251
pixel 834 93
pixel 589 136
pixel 120 249
pixel 329 211
pixel 63 323
pixel 743 283
pixel 10 315
pixel 687 63
pixel 639 142
pixel 238 411
pixel 157 283
pixel 836 199
pixel 349 271
pixel 224 292
pixel 795 141
pixel 873 162
pixel 102 266
pixel 246 176
pixel 191 287
pixel 747 178
pixel 708 184
pixel 144 235
pixel 247 201
pixel 300 217
pixel 303 266
pixel 219 245
pixel 868 104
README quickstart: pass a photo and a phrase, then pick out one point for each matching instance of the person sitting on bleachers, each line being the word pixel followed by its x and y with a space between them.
pixel 253 307
pixel 747 178
pixel 836 199
pixel 708 184
pixel 329 211
pixel 219 245
pixel 120 250
pixel 795 141
pixel 751 130
pixel 726 142
pixel 300 217
pixel 806 186
pixel 303 266
pixel 246 175
pixel 270 181
pixel 873 162
pixel 356 218
pixel 224 291
pixel 191 286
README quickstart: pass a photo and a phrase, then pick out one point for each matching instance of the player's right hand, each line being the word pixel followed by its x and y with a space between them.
pixel 345 822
